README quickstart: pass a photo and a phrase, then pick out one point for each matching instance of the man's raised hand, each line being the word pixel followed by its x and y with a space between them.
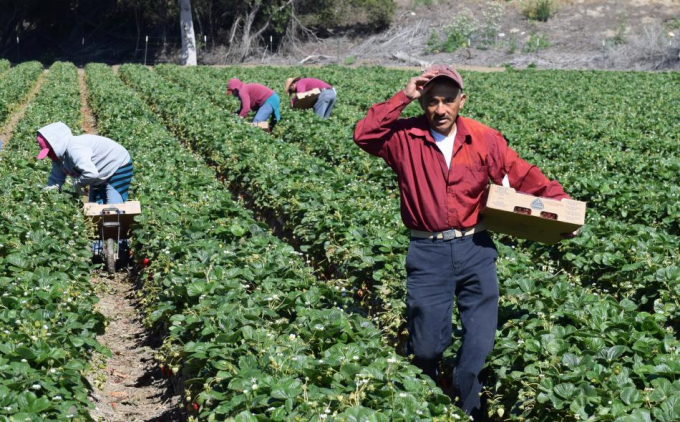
pixel 414 88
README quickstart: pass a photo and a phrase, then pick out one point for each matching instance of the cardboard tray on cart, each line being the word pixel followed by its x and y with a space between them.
pixel 306 99
pixel 129 210
pixel 262 125
pixel 530 217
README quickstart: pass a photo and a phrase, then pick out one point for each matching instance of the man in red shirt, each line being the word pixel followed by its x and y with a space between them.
pixel 324 104
pixel 443 163
pixel 258 97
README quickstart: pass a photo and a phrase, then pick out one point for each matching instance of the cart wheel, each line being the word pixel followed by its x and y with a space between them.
pixel 110 254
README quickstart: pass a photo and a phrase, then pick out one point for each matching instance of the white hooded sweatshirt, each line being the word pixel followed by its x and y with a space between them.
pixel 89 159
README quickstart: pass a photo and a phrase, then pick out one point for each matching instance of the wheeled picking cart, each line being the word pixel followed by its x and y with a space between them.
pixel 114 223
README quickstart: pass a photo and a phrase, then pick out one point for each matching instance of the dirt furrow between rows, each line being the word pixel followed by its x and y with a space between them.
pixel 89 124
pixel 128 385
pixel 7 131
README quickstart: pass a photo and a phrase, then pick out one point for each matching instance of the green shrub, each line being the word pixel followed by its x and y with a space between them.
pixel 433 42
pixel 672 24
pixel 378 12
pixel 459 33
pixel 491 23
pixel 540 10
pixel 465 30
pixel 512 44
pixel 536 43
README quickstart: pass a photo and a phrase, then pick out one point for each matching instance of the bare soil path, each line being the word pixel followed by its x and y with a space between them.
pixel 128 386
pixel 11 124
pixel 89 124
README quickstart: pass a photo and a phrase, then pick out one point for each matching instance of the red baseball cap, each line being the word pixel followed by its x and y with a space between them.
pixel 44 147
pixel 444 71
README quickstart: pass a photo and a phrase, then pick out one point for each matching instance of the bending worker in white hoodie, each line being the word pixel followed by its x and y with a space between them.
pixel 90 160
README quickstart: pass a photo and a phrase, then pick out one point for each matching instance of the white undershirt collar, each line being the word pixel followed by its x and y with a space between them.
pixel 445 144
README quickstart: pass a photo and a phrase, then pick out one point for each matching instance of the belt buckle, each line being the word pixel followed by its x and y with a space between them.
pixel 449 234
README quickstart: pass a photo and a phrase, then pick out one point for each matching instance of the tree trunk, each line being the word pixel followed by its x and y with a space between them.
pixel 188 56
pixel 247 39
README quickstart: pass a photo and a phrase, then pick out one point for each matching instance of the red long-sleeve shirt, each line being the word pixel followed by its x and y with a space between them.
pixel 252 96
pixel 434 197
pixel 308 84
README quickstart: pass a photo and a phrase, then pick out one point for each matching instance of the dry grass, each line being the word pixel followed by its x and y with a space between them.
pixel 650 49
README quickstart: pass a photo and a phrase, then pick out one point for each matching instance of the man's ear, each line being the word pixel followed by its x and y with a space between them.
pixel 463 97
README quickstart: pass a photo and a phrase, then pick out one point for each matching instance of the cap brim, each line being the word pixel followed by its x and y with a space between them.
pixel 440 77
pixel 43 153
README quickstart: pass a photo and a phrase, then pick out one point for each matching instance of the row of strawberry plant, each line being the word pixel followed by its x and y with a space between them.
pixel 15 85
pixel 339 222
pixel 48 323
pixel 634 261
pixel 546 346
pixel 307 132
pixel 250 329
pixel 4 65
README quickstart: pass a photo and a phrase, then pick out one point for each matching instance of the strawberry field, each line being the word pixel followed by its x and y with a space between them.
pixel 47 321
pixel 274 262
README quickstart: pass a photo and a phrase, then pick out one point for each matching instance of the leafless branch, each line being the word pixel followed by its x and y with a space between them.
pixel 400 55
pixel 316 58
pixel 396 39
